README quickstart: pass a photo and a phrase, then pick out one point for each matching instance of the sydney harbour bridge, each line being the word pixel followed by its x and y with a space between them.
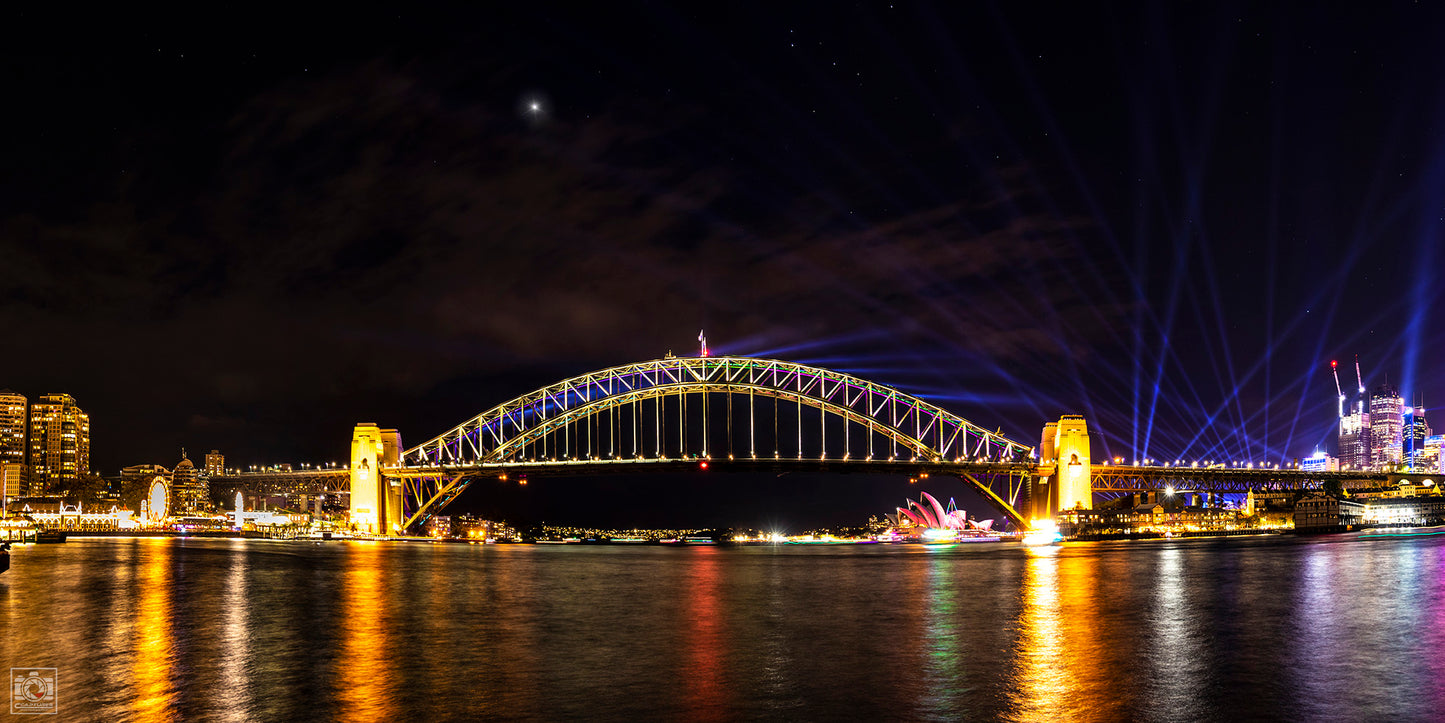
pixel 745 414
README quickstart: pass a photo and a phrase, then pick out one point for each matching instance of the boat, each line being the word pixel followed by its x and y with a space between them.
pixel 1392 531
pixel 49 536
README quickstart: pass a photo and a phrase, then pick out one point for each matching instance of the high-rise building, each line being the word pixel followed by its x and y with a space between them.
pixel 59 443
pixel 1415 431
pixel 188 493
pixel 215 463
pixel 1355 437
pixel 12 427
pixel 1387 425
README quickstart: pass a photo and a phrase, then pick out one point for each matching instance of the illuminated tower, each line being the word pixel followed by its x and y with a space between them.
pixel 1386 426
pixel 375 501
pixel 59 443
pixel 1075 471
pixel 1063 450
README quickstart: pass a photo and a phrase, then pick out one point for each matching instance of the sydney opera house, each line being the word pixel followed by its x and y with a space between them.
pixel 927 518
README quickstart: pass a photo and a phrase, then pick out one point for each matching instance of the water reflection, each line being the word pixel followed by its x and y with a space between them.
pixel 1042 678
pixel 1277 629
pixel 365 664
pixel 1071 656
pixel 1175 651
pixel 943 661
pixel 235 640
pixel 155 645
pixel 703 633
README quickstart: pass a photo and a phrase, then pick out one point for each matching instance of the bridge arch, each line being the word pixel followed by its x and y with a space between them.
pixel 530 428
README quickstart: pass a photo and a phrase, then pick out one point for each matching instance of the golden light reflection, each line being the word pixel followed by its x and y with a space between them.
pixel 364 671
pixel 155 645
pixel 1042 680
pixel 1065 670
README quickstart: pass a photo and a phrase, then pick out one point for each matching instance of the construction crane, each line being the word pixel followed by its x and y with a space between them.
pixel 1359 379
pixel 1335 367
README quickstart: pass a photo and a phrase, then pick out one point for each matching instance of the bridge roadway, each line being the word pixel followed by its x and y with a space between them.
pixel 1104 478
pixel 301 481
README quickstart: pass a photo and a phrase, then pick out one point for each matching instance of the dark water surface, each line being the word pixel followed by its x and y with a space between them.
pixel 1329 628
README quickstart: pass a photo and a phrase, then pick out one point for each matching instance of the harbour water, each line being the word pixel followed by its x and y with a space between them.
pixel 1278 628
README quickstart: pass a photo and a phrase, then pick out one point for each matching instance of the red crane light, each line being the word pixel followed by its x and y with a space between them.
pixel 1334 364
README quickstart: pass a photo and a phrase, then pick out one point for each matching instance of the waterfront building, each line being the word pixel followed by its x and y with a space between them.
pixel 53 513
pixel 1326 512
pixel 439 526
pixel 12 427
pixel 1355 437
pixel 59 442
pixel 189 494
pixel 215 463
pixel 1148 512
pixel 1386 426
pixel 1411 510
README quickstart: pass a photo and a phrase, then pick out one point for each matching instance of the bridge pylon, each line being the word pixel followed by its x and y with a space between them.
pixel 1063 479
pixel 376 501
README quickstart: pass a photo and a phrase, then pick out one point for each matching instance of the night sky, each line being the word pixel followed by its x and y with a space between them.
pixel 251 232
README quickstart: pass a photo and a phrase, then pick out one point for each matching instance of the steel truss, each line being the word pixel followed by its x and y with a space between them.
pixel 1231 480
pixel 634 408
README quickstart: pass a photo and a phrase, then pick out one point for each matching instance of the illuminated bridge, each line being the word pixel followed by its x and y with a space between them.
pixel 743 414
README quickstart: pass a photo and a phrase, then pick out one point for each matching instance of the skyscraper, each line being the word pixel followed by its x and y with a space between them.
pixel 1416 430
pixel 12 435
pixel 1355 437
pixel 12 426
pixel 1386 426
pixel 59 443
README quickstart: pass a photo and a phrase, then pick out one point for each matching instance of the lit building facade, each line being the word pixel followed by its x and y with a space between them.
pixel 1355 437
pixel 12 427
pixel 188 492
pixel 1431 459
pixel 59 442
pixel 1386 426
pixel 215 463
pixel 1414 432
pixel 1320 462
pixel 1325 512
pixel 12 480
